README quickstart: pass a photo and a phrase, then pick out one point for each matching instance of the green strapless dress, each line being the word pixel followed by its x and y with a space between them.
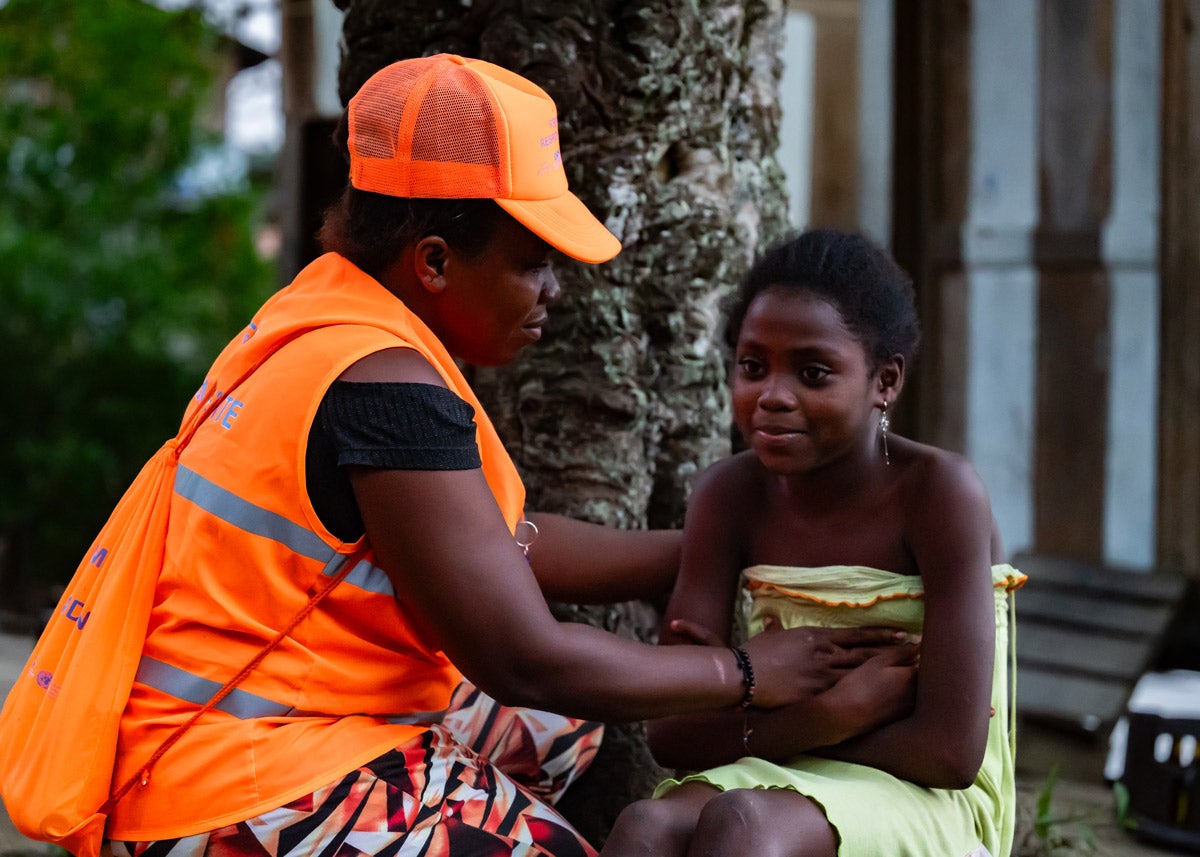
pixel 876 814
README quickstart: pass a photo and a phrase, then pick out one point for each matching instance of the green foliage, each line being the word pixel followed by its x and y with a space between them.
pixel 116 290
pixel 1121 802
pixel 1045 805
pixel 1050 831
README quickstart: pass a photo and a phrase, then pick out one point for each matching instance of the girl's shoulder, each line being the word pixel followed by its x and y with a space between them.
pixel 929 459
pixel 931 468
pixel 935 480
pixel 741 468
pixel 728 479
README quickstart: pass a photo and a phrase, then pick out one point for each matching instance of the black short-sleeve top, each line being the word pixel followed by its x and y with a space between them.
pixel 388 425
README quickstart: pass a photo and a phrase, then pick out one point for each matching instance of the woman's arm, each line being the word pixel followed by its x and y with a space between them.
pixel 941 743
pixel 583 563
pixel 458 571
pixel 456 568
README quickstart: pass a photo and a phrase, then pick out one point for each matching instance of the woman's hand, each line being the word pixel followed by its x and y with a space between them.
pixel 794 664
pixel 797 663
pixel 877 665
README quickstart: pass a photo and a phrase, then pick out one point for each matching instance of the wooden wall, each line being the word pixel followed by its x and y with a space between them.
pixel 1047 162
pixel 1072 362
pixel 1179 460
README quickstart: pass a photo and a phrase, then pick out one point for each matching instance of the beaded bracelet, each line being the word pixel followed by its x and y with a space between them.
pixel 743 661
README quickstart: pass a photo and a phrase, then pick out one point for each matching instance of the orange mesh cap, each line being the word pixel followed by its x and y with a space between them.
pixel 448 127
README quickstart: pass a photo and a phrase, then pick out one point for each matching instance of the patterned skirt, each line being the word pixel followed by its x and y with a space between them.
pixel 479 784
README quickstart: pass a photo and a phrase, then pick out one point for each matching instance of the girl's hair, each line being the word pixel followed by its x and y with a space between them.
pixel 871 292
pixel 372 230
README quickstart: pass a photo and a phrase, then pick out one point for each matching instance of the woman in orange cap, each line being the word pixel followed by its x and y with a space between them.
pixel 346 447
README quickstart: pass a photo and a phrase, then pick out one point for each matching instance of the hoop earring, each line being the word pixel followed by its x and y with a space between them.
pixel 885 422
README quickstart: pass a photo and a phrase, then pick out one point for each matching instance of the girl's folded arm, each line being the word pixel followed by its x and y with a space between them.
pixel 942 743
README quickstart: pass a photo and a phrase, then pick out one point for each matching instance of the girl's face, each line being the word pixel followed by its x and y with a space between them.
pixel 803 392
pixel 496 304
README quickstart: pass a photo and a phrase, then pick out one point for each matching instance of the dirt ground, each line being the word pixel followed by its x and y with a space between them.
pixel 1083 806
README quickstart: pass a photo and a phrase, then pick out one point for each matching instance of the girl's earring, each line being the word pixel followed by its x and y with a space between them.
pixel 884 423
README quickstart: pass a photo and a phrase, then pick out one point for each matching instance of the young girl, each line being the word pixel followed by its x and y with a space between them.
pixel 836 522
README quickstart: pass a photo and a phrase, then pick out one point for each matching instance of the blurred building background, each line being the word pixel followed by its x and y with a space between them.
pixel 1033 164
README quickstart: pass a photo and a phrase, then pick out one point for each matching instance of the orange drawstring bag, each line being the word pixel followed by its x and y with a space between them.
pixel 58 728
pixel 59 724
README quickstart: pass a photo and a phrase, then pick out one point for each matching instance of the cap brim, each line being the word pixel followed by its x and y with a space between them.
pixel 566 225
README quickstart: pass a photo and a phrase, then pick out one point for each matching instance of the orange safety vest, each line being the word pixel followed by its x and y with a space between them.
pixel 244 551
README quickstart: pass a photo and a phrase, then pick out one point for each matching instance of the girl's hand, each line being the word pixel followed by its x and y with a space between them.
pixel 880 691
pixel 695 634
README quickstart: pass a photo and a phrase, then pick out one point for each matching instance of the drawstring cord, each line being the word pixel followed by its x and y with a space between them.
pixel 142 778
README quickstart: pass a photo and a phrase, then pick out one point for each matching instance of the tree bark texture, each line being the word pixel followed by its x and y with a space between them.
pixel 669 118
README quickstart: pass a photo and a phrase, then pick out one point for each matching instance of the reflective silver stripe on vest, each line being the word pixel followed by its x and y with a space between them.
pixel 232 509
pixel 367 577
pixel 237 512
pixel 242 704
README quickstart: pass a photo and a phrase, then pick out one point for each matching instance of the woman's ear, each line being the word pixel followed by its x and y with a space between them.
pixel 891 378
pixel 429 262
